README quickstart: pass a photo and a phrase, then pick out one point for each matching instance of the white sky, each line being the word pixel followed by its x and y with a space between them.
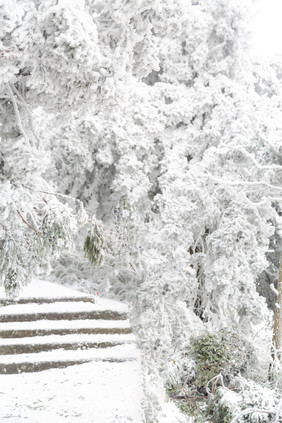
pixel 267 28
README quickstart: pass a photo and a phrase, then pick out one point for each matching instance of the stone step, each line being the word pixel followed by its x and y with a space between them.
pixel 34 362
pixel 22 333
pixel 73 315
pixel 66 342
pixel 15 368
pixel 46 300
pixel 34 348
pixel 63 327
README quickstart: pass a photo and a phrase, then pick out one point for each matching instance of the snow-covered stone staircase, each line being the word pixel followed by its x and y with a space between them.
pixel 54 327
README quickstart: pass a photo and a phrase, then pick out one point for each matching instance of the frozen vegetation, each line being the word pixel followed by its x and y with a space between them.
pixel 141 158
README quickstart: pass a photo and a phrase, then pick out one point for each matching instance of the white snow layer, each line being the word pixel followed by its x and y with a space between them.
pixel 38 288
pixel 96 392
pixel 119 352
pixel 43 289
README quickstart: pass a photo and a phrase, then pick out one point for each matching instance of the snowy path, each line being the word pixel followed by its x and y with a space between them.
pixel 87 393
pixel 106 388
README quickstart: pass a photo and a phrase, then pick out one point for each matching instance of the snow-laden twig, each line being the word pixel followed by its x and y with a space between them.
pixel 23 102
pixel 257 165
pixel 216 378
pixel 56 194
pixel 245 183
pixel 263 201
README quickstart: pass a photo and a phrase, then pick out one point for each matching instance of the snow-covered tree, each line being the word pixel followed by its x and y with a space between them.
pixel 153 116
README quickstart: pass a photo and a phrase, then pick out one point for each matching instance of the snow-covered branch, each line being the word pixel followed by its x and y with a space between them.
pixel 244 152
pixel 17 114
pixel 254 184
pixel 258 410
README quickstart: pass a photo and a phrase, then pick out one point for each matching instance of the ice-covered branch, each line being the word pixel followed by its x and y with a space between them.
pixel 258 410
pixel 254 184
pixel 56 194
pixel 257 165
pixel 22 102
pixel 17 114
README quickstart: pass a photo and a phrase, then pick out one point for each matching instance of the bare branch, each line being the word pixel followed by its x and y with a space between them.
pixel 31 227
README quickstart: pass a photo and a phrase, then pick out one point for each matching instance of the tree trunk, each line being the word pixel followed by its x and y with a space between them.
pixel 277 330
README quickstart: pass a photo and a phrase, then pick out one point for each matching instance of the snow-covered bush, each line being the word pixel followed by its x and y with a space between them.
pixel 245 401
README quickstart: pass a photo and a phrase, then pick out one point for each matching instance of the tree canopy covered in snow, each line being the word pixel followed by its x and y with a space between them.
pixel 147 125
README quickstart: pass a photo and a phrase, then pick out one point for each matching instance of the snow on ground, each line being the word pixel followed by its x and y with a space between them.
pixel 119 352
pixel 171 414
pixel 43 289
pixel 97 391
pixel 38 288
pixel 87 393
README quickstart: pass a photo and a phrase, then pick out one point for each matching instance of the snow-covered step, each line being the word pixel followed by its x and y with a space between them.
pixel 106 310
pixel 66 342
pixel 43 289
pixel 63 327
pixel 64 306
pixel 61 358
pixel 46 300
pixel 79 315
pixel 53 327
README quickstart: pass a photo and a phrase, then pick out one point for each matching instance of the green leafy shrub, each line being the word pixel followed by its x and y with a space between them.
pixel 222 353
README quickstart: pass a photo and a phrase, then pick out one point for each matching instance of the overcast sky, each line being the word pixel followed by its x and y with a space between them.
pixel 267 28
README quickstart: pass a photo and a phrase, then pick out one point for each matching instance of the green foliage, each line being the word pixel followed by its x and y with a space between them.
pixel 94 245
pixel 212 357
pixel 220 353
pixel 190 408
pixel 219 411
pixel 190 402
pixel 10 283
